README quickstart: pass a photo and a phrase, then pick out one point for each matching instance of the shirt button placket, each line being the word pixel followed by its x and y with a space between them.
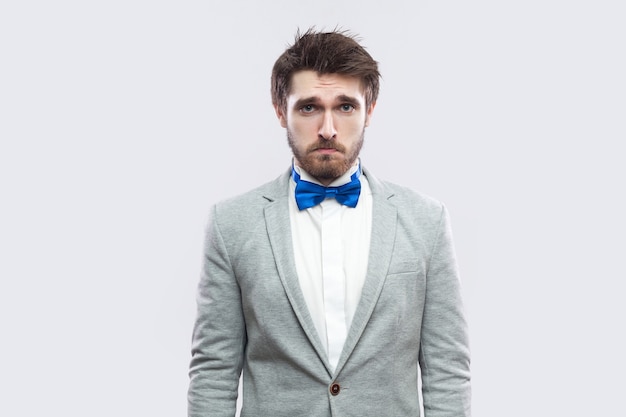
pixel 333 280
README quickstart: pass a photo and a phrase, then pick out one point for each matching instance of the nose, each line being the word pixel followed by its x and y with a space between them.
pixel 327 129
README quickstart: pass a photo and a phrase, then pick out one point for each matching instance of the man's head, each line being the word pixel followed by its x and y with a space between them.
pixel 334 52
pixel 324 89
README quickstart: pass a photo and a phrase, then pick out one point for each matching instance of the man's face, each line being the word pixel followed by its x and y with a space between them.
pixel 325 118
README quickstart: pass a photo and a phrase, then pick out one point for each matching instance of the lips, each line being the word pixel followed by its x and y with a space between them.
pixel 326 149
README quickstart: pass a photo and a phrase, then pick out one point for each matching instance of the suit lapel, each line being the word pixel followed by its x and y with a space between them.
pixel 278 225
pixel 384 221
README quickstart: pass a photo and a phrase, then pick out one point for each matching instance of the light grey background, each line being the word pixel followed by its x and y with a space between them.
pixel 121 122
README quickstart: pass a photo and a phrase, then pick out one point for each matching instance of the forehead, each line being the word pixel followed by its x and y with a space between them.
pixel 309 83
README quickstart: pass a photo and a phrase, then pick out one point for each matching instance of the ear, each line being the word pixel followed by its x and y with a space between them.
pixel 368 115
pixel 281 116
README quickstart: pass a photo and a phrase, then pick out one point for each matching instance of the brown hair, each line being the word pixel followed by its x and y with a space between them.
pixel 335 52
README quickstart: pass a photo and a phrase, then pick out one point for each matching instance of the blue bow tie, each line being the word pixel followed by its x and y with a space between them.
pixel 309 194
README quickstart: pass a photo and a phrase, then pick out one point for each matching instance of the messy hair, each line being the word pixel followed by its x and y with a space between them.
pixel 336 52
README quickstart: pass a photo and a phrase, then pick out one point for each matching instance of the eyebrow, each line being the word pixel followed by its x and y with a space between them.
pixel 342 98
pixel 305 102
pixel 349 100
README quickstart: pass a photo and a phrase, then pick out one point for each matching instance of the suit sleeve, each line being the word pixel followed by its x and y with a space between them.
pixel 444 349
pixel 219 334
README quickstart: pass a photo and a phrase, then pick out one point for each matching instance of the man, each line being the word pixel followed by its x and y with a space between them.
pixel 327 286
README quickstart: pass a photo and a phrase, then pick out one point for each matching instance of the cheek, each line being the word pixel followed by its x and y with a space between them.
pixel 353 128
pixel 304 127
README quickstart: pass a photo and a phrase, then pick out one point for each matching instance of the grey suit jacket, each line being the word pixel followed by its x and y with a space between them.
pixel 252 316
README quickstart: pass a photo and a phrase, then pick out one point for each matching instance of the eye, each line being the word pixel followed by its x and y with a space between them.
pixel 347 108
pixel 309 108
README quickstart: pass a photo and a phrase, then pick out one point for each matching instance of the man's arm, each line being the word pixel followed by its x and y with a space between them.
pixel 219 335
pixel 444 350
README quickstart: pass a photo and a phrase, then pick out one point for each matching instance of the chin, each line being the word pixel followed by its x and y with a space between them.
pixel 328 168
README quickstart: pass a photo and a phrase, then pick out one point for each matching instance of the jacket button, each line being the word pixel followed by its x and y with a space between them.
pixel 335 388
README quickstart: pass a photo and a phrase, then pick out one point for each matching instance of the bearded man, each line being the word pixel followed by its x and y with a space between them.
pixel 327 287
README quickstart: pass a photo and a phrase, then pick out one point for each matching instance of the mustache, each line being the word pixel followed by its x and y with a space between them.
pixel 324 144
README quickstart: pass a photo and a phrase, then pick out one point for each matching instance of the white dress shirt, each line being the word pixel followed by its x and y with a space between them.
pixel 331 248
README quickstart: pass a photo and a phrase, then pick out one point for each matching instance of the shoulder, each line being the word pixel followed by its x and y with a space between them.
pixel 404 198
pixel 248 206
pixel 401 194
pixel 420 218
pixel 416 208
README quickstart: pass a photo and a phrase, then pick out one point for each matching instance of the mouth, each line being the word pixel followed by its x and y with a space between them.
pixel 326 150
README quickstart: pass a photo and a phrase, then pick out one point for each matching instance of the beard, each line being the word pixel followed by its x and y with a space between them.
pixel 326 168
